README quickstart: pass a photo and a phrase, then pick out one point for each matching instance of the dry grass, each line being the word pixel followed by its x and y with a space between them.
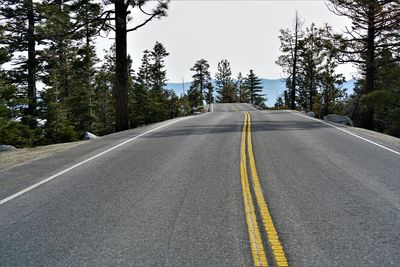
pixel 384 137
pixel 24 155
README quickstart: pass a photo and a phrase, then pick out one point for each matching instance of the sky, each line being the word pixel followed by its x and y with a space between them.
pixel 242 31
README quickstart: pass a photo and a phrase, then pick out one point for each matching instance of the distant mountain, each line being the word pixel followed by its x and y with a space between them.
pixel 272 88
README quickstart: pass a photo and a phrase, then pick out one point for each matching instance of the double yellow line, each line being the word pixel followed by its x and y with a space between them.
pixel 278 257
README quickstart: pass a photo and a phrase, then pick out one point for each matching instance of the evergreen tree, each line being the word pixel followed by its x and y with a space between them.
pixel 57 127
pixel 375 28
pixel 158 74
pixel 253 83
pixel 288 60
pixel 158 97
pixel 11 130
pixel 173 104
pixel 209 93
pixel 201 79
pixel 70 60
pixel 117 19
pixel 145 70
pixel 385 100
pixel 309 61
pixel 139 101
pixel 81 102
pixel 193 98
pixel 103 98
pixel 243 90
pixel 224 83
pixel 20 23
pixel 330 84
pixel 279 102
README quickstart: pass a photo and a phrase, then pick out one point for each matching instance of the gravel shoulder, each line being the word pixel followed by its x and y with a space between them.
pixel 25 155
pixel 384 137
pixel 380 138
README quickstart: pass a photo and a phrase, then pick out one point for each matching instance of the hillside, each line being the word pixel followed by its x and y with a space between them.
pixel 272 88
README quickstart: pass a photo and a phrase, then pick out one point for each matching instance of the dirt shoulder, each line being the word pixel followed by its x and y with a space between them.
pixel 384 137
pixel 24 155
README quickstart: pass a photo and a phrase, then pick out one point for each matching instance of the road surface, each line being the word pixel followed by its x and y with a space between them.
pixel 207 190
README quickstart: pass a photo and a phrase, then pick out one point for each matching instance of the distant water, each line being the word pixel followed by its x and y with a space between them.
pixel 272 88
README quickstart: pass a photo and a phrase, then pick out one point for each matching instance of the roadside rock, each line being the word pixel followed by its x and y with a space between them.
pixel 89 136
pixel 338 119
pixel 5 148
pixel 310 114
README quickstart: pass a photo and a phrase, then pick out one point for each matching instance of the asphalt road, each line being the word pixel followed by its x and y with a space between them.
pixel 174 197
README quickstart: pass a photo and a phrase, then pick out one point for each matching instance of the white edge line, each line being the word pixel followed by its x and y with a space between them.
pixel 7 199
pixel 350 133
pixel 253 108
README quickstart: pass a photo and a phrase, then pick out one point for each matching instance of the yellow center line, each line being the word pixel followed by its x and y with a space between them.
pixel 272 234
pixel 256 245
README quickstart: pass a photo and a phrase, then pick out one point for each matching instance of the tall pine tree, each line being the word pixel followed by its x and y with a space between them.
pixel 158 97
pixel 225 86
pixel 290 39
pixel 20 36
pixel 253 83
pixel 117 20
pixel 201 77
pixel 375 28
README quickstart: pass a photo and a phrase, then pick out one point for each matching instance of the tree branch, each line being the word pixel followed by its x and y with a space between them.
pixel 142 24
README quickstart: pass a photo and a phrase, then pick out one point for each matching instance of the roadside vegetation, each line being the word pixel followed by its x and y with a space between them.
pixel 310 56
pixel 54 88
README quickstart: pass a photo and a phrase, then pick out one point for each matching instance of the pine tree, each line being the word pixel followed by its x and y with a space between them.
pixel 330 84
pixel 11 130
pixel 103 98
pixel 193 98
pixel 173 104
pixel 279 102
pixel 84 64
pixel 385 100
pixel 20 23
pixel 253 83
pixel 139 100
pixel 288 60
pixel 70 60
pixel 57 127
pixel 158 97
pixel 375 28
pixel 224 83
pixel 309 61
pixel 243 90
pixel 201 79
pixel 158 74
pixel 117 19
pixel 209 93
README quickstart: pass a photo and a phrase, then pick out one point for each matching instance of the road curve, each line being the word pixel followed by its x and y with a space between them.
pixel 174 196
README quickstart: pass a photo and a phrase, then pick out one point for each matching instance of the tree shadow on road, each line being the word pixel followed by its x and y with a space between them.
pixel 256 126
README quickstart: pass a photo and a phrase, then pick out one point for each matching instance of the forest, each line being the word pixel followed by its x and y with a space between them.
pixel 54 87
pixel 310 56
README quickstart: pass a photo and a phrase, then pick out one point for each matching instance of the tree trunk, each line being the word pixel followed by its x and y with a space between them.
pixel 201 85
pixel 31 65
pixel 294 70
pixel 311 97
pixel 121 67
pixel 88 63
pixel 370 70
